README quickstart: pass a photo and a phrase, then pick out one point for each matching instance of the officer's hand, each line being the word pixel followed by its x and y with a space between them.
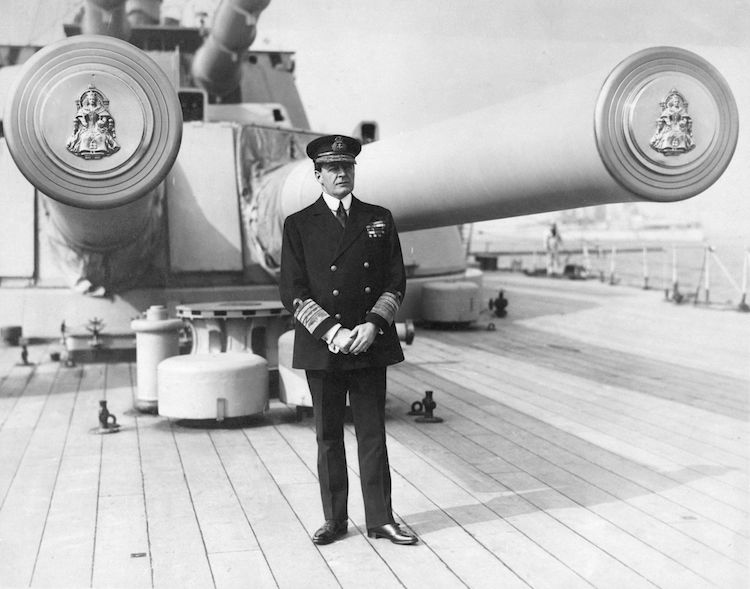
pixel 343 340
pixel 363 335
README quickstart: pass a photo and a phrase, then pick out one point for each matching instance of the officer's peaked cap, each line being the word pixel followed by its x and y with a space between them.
pixel 333 148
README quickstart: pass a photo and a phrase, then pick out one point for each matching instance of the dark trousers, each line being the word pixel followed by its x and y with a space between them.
pixel 366 389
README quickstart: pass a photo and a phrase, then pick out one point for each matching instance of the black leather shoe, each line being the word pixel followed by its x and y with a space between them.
pixel 394 533
pixel 330 531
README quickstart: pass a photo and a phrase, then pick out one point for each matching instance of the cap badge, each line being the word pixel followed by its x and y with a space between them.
pixel 338 144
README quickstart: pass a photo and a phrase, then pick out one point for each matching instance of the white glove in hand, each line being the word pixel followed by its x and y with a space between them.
pixel 342 341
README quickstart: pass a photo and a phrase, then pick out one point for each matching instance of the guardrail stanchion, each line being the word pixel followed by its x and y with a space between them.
pixel 743 306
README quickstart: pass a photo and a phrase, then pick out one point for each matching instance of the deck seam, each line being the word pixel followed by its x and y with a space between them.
pixel 143 483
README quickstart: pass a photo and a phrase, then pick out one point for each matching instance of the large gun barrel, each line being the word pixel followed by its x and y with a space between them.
pixel 115 18
pixel 93 122
pixel 95 125
pixel 216 65
pixel 105 17
pixel 661 126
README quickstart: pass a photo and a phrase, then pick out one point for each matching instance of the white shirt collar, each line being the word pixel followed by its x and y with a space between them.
pixel 333 203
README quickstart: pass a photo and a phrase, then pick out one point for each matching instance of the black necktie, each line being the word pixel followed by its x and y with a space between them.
pixel 341 214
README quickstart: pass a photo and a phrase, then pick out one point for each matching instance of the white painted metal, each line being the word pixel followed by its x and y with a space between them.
pixel 193 386
pixel 547 151
pixel 204 217
pixel 156 339
pixel 451 302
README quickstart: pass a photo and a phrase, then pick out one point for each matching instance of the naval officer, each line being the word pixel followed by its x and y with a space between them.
pixel 343 278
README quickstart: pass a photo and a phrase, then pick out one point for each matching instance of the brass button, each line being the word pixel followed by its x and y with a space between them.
pixel 366 264
pixel 335 293
pixel 334 268
pixel 367 289
pixel 337 316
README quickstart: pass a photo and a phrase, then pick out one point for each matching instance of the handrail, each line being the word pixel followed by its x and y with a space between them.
pixel 685 271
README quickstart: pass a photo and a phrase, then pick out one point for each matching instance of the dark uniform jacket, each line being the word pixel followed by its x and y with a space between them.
pixel 333 275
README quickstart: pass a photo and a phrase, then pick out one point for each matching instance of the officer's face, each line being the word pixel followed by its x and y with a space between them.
pixel 336 179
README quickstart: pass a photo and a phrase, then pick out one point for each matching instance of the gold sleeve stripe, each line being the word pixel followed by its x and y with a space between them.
pixel 310 314
pixel 386 306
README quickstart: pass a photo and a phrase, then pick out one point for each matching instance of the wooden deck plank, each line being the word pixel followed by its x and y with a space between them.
pixel 178 554
pixel 229 538
pixel 67 547
pixel 642 476
pixel 629 398
pixel 247 568
pixel 8 356
pixel 222 522
pixel 489 532
pixel 24 512
pixel 564 350
pixel 121 463
pixel 684 342
pixel 602 456
pixel 545 471
pixel 568 419
pixel 567 458
pixel 541 391
pixel 636 307
pixel 602 407
pixel 651 410
pixel 595 529
pixel 671 380
pixel 11 388
pixel 648 483
pixel 292 469
pixel 22 417
pixel 354 562
pixel 547 500
pixel 462 554
pixel 568 336
pixel 414 503
pixel 490 498
pixel 121 556
pixel 599 415
pixel 29 396
pixel 645 375
pixel 291 556
pixel 410 565
pixel 594 360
